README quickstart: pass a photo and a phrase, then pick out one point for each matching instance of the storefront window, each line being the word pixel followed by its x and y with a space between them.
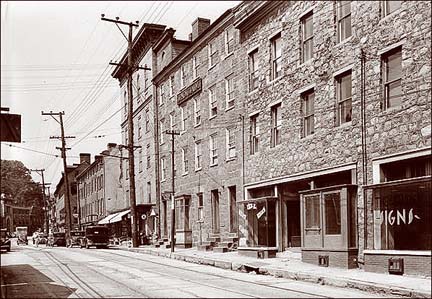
pixel 261 218
pixel 332 213
pixel 402 216
pixel 312 214
pixel 182 214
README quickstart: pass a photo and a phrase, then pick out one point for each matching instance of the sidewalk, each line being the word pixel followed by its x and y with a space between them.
pixel 291 267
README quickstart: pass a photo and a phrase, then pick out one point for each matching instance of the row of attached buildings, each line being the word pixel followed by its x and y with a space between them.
pixel 303 124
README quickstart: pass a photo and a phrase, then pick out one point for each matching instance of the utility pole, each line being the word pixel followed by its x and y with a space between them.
pixel 130 68
pixel 41 173
pixel 66 180
pixel 172 133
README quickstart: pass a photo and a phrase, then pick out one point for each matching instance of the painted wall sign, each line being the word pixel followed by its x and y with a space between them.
pixel 396 217
pixel 260 213
pixel 242 215
pixel 251 206
pixel 189 91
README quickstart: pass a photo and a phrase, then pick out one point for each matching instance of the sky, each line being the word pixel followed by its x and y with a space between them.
pixel 54 57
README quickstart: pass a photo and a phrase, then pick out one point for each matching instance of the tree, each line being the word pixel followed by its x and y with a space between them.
pixel 17 185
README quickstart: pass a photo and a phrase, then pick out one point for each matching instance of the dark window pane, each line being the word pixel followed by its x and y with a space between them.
pixel 332 213
pixel 394 94
pixel 394 66
pixel 312 209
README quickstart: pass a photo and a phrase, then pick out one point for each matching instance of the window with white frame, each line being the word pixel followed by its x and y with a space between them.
pixel 185 162
pixel 197 112
pixel 183 119
pixel 254 131
pixel 308 107
pixel 213 150
pixel 138 87
pixel 344 98
pixel 213 54
pixel 276 56
pixel 389 6
pixel 171 118
pixel 162 131
pixel 147 120
pixel 163 169
pixel 392 77
pixel 307 36
pixel 195 64
pixel 198 155
pixel 148 155
pixel 146 82
pixel 343 16
pixel 253 70
pixel 139 127
pixel 171 86
pixel 125 97
pixel 212 102
pixel 229 91
pixel 182 76
pixel 140 160
pixel 276 124
pixel 229 40
pixel 162 94
pixel 230 143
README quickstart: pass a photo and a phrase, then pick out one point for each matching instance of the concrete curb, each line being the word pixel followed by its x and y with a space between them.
pixel 291 274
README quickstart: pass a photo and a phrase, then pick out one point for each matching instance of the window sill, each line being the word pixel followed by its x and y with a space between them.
pixel 197 125
pixel 229 108
pixel 274 81
pixel 231 159
pixel 344 41
pixel 185 174
pixel 228 55
pixel 211 67
pixel 213 165
pixel 383 19
pixel 391 110
pixel 211 117
pixel 344 125
pixel 182 132
pixel 198 169
pixel 252 91
pixel 310 136
pixel 306 63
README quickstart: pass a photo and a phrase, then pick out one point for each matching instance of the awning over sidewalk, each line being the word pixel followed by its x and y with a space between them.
pixel 107 218
pixel 118 216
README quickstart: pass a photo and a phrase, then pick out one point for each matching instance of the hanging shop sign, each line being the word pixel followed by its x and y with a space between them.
pixel 251 206
pixel 189 91
pixel 397 217
pixel 260 213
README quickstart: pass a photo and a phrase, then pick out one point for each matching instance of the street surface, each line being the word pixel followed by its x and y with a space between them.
pixel 59 272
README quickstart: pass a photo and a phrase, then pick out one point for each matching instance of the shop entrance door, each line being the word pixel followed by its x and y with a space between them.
pixel 165 226
pixel 215 211
pixel 293 223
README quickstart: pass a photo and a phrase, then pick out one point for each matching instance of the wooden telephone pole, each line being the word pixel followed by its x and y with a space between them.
pixel 172 133
pixel 41 173
pixel 66 180
pixel 130 146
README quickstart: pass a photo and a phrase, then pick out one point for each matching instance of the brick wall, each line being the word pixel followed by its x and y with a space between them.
pixel 413 264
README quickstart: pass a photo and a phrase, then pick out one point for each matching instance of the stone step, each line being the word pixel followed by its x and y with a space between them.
pixel 204 248
pixel 220 249
pixel 232 235
pixel 165 245
pixel 214 239
pixel 225 244
pixel 207 243
pixel 211 235
pixel 230 239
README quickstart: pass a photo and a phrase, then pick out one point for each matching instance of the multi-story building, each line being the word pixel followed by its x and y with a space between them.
pixel 337 96
pixel 60 191
pixel 100 193
pixel 143 122
pixel 198 97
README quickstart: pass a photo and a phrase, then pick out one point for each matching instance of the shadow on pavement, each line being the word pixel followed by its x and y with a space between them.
pixel 24 281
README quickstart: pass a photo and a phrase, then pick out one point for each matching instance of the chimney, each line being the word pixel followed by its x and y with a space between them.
pixel 198 26
pixel 111 145
pixel 85 157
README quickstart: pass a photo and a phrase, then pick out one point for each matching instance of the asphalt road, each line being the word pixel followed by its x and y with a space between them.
pixel 30 272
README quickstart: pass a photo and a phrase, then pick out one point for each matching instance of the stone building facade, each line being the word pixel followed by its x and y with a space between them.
pixel 143 119
pixel 338 93
pixel 198 97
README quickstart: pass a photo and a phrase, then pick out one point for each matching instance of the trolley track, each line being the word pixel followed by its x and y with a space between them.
pixel 212 274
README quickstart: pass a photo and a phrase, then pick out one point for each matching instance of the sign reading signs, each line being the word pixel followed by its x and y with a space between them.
pixel 189 91
pixel 251 206
pixel 396 217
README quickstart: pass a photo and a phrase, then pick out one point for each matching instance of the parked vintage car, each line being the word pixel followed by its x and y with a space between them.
pixel 59 239
pixel 77 238
pixel 97 236
pixel 5 242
